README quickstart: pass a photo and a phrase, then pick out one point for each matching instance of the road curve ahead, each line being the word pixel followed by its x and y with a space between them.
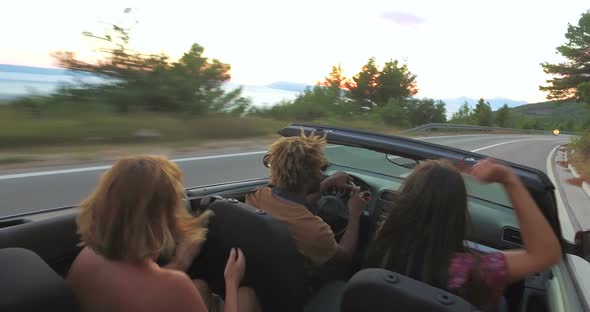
pixel 37 189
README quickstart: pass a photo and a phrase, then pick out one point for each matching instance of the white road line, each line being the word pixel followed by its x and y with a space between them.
pixel 567 227
pixel 105 167
pixel 217 156
pixel 487 136
pixel 52 172
pixel 502 143
pixel 452 136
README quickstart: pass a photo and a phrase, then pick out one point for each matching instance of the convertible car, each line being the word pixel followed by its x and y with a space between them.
pixel 36 250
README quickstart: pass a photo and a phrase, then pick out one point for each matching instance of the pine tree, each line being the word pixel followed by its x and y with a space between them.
pixel 570 75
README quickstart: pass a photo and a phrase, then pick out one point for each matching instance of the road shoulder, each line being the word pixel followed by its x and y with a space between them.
pixel 574 198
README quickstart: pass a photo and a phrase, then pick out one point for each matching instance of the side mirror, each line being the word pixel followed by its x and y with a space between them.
pixel 402 161
pixel 583 244
pixel 266 160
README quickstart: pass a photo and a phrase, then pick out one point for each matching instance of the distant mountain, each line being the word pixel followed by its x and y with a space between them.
pixel 32 70
pixel 288 86
pixel 570 110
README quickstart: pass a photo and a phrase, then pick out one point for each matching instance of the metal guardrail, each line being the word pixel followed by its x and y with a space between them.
pixel 447 126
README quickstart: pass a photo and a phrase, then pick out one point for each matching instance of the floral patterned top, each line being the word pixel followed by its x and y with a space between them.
pixel 489 270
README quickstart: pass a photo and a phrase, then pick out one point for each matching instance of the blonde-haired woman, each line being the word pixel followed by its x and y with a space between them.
pixel 134 216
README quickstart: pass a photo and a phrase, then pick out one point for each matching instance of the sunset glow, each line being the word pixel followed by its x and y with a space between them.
pixel 456 48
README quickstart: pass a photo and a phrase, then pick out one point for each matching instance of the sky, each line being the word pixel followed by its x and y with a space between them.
pixel 456 48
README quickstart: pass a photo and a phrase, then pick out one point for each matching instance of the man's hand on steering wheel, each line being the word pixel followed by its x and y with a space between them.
pixel 356 204
pixel 339 180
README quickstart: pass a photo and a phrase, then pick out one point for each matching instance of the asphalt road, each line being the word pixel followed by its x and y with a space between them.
pixel 42 188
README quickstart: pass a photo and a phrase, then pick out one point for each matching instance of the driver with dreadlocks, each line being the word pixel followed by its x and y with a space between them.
pixel 295 186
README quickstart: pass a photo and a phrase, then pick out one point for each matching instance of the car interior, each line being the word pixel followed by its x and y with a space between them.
pixel 36 253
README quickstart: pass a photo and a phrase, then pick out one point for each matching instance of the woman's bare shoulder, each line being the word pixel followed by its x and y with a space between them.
pixel 175 281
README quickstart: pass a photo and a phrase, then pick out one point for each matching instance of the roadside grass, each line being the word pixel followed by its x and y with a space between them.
pixel 18 129
pixel 63 137
pixel 579 155
pixel 361 123
pixel 16 160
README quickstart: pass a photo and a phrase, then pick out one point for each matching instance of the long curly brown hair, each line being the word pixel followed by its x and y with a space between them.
pixel 426 226
pixel 137 211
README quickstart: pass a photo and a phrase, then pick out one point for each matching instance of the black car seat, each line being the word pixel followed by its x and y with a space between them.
pixel 27 283
pixel 274 267
pixel 380 290
pixel 328 298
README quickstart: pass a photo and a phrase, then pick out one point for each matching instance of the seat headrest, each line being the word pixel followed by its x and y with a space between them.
pixel 274 267
pixel 27 283
pixel 381 290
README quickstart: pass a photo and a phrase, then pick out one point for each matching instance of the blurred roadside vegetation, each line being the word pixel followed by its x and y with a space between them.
pixel 150 98
pixel 579 155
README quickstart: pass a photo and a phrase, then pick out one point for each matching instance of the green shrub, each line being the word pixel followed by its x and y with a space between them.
pixel 18 128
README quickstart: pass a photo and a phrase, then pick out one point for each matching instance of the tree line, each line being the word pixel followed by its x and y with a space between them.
pixel 378 93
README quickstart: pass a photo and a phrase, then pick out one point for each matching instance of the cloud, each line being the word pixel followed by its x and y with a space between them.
pixel 403 18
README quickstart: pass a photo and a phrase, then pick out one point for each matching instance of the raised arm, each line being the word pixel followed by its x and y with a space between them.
pixel 348 244
pixel 541 246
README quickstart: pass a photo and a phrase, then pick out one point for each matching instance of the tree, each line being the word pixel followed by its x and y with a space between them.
pixel 584 91
pixel 374 86
pixel 503 117
pixel 424 111
pixel 335 81
pixel 151 82
pixel 197 81
pixel 395 82
pixel 312 103
pixel 463 115
pixel 440 112
pixel 394 113
pixel 575 72
pixel 483 113
pixel 365 84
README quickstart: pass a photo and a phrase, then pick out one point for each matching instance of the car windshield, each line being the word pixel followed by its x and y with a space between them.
pixel 364 159
pixel 399 167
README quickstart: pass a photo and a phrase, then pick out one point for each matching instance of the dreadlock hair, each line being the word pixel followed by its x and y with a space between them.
pixel 296 162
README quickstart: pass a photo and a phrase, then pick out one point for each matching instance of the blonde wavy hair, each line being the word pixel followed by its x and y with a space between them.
pixel 137 211
pixel 296 162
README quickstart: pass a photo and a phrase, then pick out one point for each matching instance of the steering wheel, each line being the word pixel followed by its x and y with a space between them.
pixel 336 215
pixel 344 195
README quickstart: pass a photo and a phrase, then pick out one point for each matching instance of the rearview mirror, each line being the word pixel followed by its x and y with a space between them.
pixel 266 160
pixel 583 243
pixel 402 161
